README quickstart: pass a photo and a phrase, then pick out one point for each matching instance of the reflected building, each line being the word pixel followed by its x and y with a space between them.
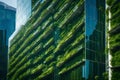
pixel 95 37
pixel 62 40
pixel 7 27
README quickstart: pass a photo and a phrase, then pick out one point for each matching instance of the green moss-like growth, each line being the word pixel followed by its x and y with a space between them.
pixel 70 67
pixel 68 55
pixel 116 59
pixel 115 75
pixel 45 73
pixel 114 36
pixel 110 2
pixel 96 77
pixel 65 40
pixel 24 75
pixel 105 75
pixel 37 69
pixel 35 53
pixel 48 59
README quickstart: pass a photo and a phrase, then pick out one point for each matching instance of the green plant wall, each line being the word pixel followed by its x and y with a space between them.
pixel 114 8
pixel 51 43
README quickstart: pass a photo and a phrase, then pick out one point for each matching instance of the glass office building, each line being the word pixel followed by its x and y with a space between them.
pixel 7 27
pixel 62 40
pixel 3 55
pixel 95 37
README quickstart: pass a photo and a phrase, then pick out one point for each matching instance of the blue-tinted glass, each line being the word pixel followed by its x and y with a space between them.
pixel 95 26
pixel 7 26
pixel 95 42
pixel 91 17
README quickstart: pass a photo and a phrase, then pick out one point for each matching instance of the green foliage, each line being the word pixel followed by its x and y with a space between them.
pixel 105 75
pixel 48 59
pixel 115 75
pixel 115 22
pixel 114 41
pixel 34 50
pixel 68 55
pixel 96 77
pixel 37 69
pixel 45 73
pixel 115 37
pixel 110 2
pixel 70 67
pixel 116 59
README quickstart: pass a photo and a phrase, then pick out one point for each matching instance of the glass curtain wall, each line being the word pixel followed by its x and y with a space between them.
pixel 53 45
pixel 95 38
pixel 7 26
pixel 3 60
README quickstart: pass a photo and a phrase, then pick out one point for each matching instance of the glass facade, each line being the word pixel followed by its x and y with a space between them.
pixel 7 27
pixel 3 55
pixel 63 40
pixel 23 12
pixel 95 37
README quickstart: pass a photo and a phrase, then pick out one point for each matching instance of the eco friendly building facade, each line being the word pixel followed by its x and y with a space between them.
pixel 62 40
pixel 113 15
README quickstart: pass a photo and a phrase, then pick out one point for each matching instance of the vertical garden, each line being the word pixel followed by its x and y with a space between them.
pixel 114 32
pixel 50 46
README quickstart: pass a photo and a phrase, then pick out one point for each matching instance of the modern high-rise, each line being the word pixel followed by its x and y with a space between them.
pixel 62 40
pixel 113 18
pixel 7 27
